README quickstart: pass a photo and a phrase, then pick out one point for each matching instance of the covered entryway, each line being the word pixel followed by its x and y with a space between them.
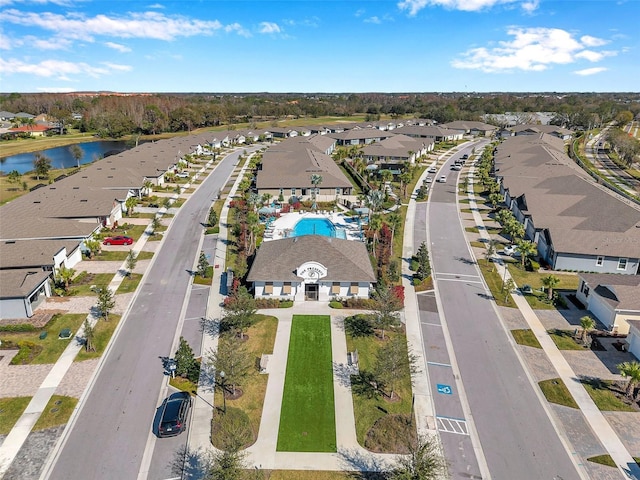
pixel 311 291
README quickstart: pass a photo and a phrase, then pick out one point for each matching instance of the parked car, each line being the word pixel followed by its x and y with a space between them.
pixel 465 156
pixel 457 166
pixel 118 240
pixel 175 409
pixel 182 175
pixel 442 179
pixel 432 170
pixel 428 180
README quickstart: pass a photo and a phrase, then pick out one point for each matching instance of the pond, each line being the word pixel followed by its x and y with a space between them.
pixel 62 157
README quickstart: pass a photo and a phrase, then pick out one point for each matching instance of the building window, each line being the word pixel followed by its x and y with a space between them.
pixel 335 288
pixel 282 191
pixel 353 289
pixel 293 192
pixel 622 264
pixel 584 288
pixel 338 191
pixel 268 288
pixel 599 261
pixel 286 288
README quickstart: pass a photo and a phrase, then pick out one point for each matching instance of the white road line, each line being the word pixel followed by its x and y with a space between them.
pixel 458 280
pixel 438 364
pixel 432 324
pixel 452 425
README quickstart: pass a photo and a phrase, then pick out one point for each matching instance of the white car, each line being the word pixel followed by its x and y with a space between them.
pixel 428 180
pixel 432 170
pixel 509 250
pixel 182 175
pixel 456 167
pixel 442 179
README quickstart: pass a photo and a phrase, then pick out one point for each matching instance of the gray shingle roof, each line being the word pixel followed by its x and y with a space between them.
pixel 345 260
pixel 581 216
pixel 622 292
pixel 19 283
pixel 33 253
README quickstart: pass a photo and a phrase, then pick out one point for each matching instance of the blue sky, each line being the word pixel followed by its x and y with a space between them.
pixel 319 46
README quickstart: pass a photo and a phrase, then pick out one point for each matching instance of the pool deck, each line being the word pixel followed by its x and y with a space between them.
pixel 281 227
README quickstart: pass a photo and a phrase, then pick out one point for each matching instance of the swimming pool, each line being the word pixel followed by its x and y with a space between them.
pixel 317 226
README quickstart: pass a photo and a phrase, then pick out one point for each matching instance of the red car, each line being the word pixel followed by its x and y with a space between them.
pixel 119 240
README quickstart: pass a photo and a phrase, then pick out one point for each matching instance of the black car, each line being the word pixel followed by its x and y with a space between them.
pixel 174 414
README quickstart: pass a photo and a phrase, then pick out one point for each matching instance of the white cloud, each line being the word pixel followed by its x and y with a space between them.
pixel 56 68
pixel 414 6
pixel 118 47
pixel 372 20
pixel 154 25
pixel 237 28
pixel 117 67
pixel 590 71
pixel 269 27
pixel 531 49
pixel 589 41
pixel 56 89
pixel 6 43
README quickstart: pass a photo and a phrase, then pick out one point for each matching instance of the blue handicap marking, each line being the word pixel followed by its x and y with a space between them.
pixel 444 389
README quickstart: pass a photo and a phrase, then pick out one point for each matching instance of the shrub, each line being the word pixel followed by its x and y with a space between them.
pixel 398 291
pixel 364 303
pixel 22 327
pixel 335 304
pixel 273 303
pixel 414 264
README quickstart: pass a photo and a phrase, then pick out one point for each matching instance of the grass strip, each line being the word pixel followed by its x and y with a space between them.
pixel 557 392
pixel 57 412
pixel 525 337
pixel 307 418
pixel 11 410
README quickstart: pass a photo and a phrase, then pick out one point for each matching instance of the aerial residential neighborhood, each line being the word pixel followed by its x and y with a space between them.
pixel 247 245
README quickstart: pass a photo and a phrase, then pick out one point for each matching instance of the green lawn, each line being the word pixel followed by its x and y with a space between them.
pixel 34 350
pixel 604 398
pixel 556 391
pixel 129 283
pixel 494 282
pixel 103 331
pixel 82 283
pixel 10 411
pixel 564 340
pixel 525 337
pixel 57 412
pixel 307 418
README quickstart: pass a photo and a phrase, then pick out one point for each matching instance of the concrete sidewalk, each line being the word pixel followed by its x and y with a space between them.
pixel 594 417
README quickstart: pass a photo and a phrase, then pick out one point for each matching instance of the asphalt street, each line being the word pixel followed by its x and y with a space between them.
pixel 517 437
pixel 109 436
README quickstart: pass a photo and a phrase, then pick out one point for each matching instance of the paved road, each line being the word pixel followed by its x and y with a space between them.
pixel 516 435
pixel 600 159
pixel 109 435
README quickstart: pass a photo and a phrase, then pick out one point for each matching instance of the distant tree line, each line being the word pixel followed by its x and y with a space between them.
pixel 115 115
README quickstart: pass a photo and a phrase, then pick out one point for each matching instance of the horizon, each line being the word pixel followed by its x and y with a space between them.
pixel 278 47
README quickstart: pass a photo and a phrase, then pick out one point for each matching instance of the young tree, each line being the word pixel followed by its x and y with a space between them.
pixel 41 165
pixel 106 302
pixel 77 153
pixel 490 252
pixel 386 309
pixel 213 218
pixel 14 177
pixel 424 265
pixel 186 364
pixel 392 360
pixel 395 222
pixel 89 336
pixel 203 265
pixel 508 286
pixel 587 323
pixel 132 260
pixel 227 465
pixel 551 282
pixel 424 461
pixel 375 224
pixel 239 312
pixel 630 370
pixel 234 359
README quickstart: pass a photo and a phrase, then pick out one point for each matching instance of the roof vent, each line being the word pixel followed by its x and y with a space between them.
pixel 84 200
pixel 76 188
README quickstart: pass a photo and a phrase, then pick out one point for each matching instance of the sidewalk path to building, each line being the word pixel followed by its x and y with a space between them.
pixel 597 421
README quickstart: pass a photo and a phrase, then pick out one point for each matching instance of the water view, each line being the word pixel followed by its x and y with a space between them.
pixel 61 157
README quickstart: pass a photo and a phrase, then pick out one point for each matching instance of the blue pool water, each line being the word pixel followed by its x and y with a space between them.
pixel 317 226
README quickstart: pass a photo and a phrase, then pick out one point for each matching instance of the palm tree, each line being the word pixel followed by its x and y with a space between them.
pixel 395 221
pixel 374 200
pixel 587 323
pixel 630 370
pixel 405 180
pixel 130 203
pixel 527 249
pixel 375 224
pixel 385 176
pixel 65 275
pixel 315 181
pixel 148 187
pixel 551 282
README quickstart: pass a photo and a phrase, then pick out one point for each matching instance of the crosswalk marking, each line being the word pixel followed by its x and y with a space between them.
pixel 452 425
